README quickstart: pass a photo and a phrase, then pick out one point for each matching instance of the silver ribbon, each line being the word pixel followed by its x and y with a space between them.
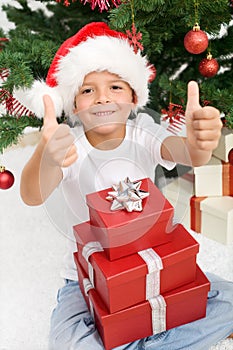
pixel 87 286
pixel 127 195
pixel 154 265
pixel 89 249
pixel 158 307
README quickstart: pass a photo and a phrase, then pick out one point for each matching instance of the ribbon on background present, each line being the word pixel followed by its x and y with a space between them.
pixel 158 307
pixel 89 249
pixel 154 265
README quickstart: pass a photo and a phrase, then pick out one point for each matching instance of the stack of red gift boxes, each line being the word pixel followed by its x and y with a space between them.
pixel 138 272
pixel 212 203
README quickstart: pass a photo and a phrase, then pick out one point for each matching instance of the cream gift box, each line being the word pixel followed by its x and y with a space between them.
pixel 217 218
pixel 225 145
pixel 213 179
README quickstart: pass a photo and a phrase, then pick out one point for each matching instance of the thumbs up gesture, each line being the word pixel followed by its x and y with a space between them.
pixel 59 147
pixel 203 124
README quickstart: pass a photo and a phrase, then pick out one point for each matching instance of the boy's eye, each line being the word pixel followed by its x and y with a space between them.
pixel 116 87
pixel 87 91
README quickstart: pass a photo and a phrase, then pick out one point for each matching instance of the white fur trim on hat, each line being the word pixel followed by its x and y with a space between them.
pixel 33 98
pixel 99 54
pixel 74 60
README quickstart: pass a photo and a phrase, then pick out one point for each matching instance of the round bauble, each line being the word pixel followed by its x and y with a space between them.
pixel 208 67
pixel 196 41
pixel 6 178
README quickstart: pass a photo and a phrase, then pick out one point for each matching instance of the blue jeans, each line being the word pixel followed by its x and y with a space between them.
pixel 72 326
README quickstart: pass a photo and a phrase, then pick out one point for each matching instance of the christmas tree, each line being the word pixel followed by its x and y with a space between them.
pixel 159 25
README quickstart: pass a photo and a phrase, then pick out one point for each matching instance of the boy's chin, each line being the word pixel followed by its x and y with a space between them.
pixel 105 129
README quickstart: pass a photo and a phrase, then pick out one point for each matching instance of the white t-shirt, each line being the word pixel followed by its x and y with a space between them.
pixel 136 157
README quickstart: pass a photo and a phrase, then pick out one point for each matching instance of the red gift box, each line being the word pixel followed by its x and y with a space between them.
pixel 121 232
pixel 179 306
pixel 144 275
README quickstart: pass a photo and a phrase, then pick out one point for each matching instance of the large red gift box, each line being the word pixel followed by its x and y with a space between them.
pixel 174 308
pixel 146 274
pixel 121 232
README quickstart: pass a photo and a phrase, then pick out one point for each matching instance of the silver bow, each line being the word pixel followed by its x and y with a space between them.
pixel 127 195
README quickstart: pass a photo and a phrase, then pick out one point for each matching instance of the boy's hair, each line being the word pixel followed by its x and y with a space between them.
pixel 94 48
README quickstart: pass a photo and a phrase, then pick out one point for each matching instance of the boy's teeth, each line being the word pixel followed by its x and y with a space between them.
pixel 103 114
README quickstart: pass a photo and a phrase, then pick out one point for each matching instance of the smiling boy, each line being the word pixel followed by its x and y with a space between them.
pixel 97 78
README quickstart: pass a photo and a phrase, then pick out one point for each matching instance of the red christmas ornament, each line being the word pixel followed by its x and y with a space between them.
pixel 134 38
pixel 196 41
pixel 102 4
pixel 66 2
pixel 6 178
pixel 173 113
pixel 175 116
pixel 2 40
pixel 208 67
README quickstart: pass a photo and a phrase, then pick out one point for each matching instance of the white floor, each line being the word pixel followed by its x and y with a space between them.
pixel 31 249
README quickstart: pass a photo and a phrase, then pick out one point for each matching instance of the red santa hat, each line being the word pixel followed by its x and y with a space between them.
pixel 94 48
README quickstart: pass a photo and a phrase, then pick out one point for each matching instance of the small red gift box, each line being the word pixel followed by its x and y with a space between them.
pixel 179 306
pixel 141 276
pixel 121 232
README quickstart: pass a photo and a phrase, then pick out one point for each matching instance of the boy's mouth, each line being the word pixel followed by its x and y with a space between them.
pixel 104 113
pixel 104 110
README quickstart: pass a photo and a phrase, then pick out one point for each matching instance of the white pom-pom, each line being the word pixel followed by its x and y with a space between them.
pixel 33 98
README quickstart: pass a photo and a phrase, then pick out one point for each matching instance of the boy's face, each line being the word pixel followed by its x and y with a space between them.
pixel 103 105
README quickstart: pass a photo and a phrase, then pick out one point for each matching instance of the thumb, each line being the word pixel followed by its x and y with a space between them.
pixel 49 112
pixel 192 98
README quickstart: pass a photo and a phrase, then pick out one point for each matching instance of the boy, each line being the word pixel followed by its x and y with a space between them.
pixel 97 77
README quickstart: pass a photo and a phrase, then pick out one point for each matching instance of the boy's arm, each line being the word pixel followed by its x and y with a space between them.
pixel 203 127
pixel 43 172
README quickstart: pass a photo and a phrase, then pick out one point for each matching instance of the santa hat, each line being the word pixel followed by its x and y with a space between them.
pixel 94 48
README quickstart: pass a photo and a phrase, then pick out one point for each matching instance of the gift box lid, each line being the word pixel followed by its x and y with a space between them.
pixel 213 166
pixel 155 205
pixel 218 206
pixel 182 246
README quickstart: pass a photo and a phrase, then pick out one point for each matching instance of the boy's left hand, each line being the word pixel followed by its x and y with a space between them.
pixel 203 124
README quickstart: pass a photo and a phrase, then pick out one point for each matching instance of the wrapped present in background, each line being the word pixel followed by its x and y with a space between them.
pixel 225 145
pixel 214 179
pixel 213 217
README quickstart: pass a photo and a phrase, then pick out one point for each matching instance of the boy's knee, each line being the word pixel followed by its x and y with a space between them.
pixel 59 342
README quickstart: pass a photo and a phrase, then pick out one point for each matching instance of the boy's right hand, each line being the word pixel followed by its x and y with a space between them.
pixel 59 147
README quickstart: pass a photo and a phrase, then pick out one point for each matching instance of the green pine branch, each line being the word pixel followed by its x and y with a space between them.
pixel 11 129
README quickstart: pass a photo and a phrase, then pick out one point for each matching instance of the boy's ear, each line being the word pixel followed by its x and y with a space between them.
pixel 74 106
pixel 135 98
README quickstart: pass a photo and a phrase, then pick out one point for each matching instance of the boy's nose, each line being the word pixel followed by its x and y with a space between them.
pixel 102 97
